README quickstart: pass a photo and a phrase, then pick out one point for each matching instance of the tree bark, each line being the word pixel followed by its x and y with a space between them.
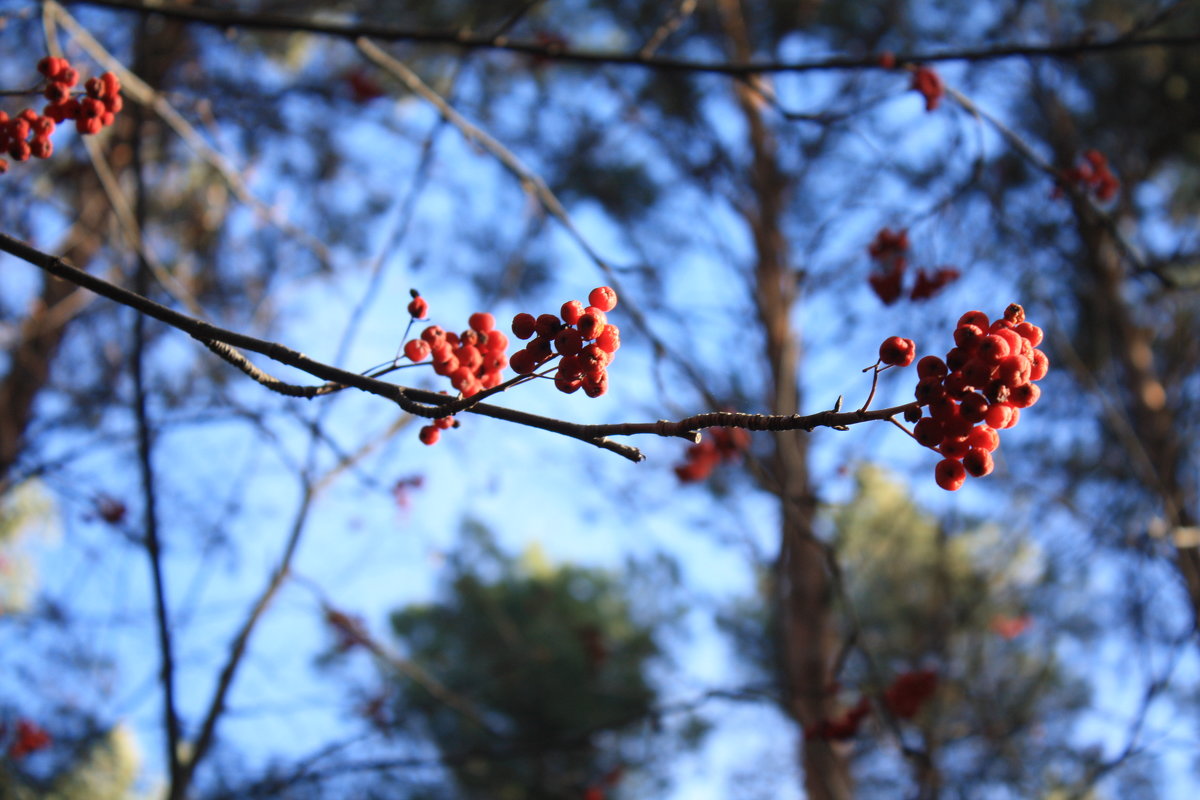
pixel 807 637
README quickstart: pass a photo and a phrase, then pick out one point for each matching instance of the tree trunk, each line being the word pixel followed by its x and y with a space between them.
pixel 803 591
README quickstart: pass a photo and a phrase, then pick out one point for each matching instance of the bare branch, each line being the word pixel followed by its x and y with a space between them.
pixel 1073 48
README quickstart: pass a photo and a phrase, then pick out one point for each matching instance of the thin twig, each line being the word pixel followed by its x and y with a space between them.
pixel 227 19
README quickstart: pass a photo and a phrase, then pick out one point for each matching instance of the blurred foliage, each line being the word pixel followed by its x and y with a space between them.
pixel 545 674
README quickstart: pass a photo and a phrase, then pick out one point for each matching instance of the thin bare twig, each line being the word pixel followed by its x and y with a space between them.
pixel 223 18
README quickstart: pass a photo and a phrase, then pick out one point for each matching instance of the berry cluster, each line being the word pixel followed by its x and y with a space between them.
pixel 723 444
pixel 889 250
pixel 929 84
pixel 903 699
pixel 581 337
pixel 473 360
pixel 1092 175
pixel 978 390
pixel 28 134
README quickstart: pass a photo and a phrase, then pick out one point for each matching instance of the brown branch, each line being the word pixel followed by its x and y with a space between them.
pixel 1079 46
pixel 420 402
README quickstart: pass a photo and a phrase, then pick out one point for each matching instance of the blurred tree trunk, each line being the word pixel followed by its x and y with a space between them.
pixel 802 585
pixel 44 327
pixel 1139 416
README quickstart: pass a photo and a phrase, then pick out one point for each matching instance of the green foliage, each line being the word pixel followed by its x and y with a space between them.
pixel 549 666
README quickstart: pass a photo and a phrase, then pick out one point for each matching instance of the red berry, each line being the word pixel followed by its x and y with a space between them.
pixel 976 318
pixel 973 407
pixel 1025 395
pixel 442 423
pixel 418 308
pixel 1014 314
pixel 595 383
pixel 603 298
pixel 897 352
pixel 592 323
pixel 524 325
pixel 968 337
pixel 567 383
pixel 610 339
pixel 1039 365
pixel 497 342
pixel 571 311
pixel 523 362
pixel 1000 416
pixel 548 325
pixel 568 342
pixel 931 367
pixel 978 462
pixel 954 446
pixel 416 350
pixel 1031 333
pixel 1013 371
pixel 928 431
pixel 983 437
pixel 481 321
pixel 430 434
pixel 950 474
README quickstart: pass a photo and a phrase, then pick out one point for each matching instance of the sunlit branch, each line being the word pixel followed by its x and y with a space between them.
pixel 423 403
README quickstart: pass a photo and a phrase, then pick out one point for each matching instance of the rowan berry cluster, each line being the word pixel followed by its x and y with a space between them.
pixel 721 444
pixel 581 337
pixel 889 250
pixel 28 134
pixel 978 390
pixel 473 360
pixel 903 699
pixel 929 84
pixel 1091 175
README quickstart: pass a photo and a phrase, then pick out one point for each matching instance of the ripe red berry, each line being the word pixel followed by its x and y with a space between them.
pixel 548 325
pixel 897 352
pixel 568 342
pixel 983 437
pixel 928 431
pixel 1000 416
pixel 481 321
pixel 931 367
pixel 571 311
pixel 430 434
pixel 524 325
pixel 954 446
pixel 1039 365
pixel 418 307
pixel 1013 371
pixel 610 339
pixel 978 462
pixel 497 342
pixel 950 474
pixel 522 362
pixel 976 318
pixel 1025 395
pixel 603 298
pixel 416 350
pixel 592 323
pixel 595 383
